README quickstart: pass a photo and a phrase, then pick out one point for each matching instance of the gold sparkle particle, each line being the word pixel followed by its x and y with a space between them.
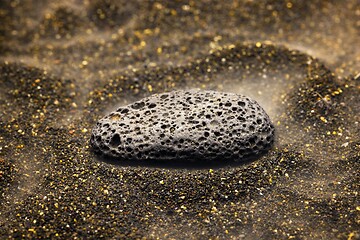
pixel 323 119
pixel 337 92
pixel 185 7
pixel 270 180
pixel 351 236
pixel 115 117
pixel 148 31
pixel 150 88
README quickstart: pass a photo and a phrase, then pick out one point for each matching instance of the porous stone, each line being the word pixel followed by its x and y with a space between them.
pixel 185 125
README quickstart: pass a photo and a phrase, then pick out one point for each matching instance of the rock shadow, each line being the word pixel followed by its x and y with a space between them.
pixel 195 164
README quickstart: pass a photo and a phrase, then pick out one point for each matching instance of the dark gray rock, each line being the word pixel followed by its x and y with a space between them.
pixel 185 125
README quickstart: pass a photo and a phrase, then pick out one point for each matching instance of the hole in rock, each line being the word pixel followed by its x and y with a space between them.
pixel 241 104
pixel 152 105
pixel 115 140
pixel 138 105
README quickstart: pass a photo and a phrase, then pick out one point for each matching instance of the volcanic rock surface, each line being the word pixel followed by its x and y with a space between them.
pixel 186 125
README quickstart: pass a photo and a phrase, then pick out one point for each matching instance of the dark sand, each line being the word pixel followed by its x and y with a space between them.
pixel 64 65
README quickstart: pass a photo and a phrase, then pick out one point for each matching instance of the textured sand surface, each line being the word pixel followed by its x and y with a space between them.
pixel 64 65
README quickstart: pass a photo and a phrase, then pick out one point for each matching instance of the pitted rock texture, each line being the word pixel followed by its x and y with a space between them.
pixel 187 125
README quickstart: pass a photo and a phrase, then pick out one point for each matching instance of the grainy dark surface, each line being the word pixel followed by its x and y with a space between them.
pixel 65 64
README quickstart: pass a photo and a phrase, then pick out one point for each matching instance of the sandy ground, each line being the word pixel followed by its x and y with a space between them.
pixel 65 64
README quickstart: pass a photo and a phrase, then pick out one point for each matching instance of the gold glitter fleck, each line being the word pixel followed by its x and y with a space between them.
pixel 323 119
